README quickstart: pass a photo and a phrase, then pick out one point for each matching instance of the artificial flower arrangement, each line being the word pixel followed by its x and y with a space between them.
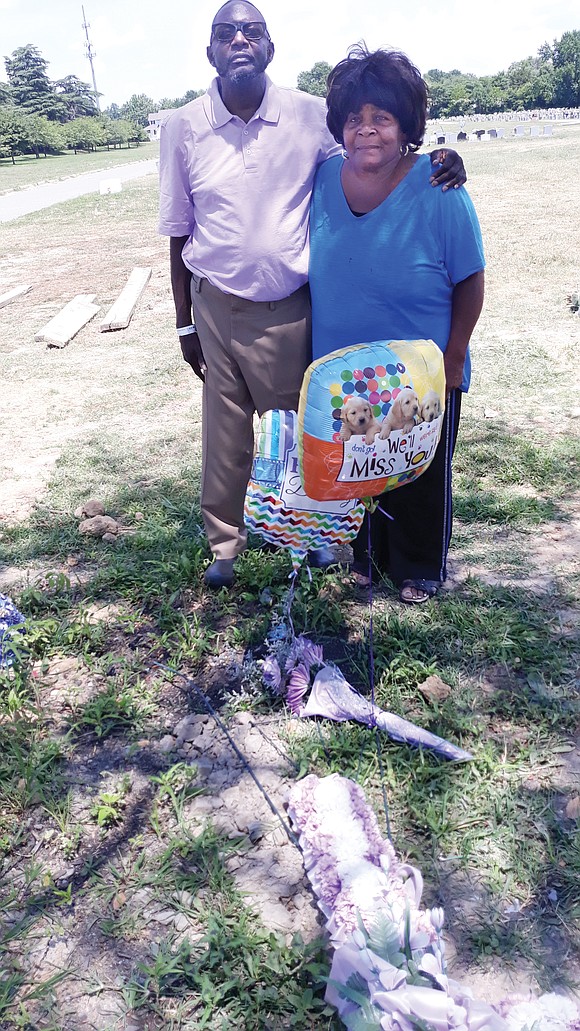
pixel 388 970
pixel 291 663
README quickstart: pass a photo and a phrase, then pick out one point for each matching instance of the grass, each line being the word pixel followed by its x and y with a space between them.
pixel 100 830
pixel 30 171
pixel 234 974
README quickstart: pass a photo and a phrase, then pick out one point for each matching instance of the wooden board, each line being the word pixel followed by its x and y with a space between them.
pixel 64 326
pixel 13 294
pixel 119 316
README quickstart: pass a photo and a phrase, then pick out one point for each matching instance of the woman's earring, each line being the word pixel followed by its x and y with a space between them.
pixel 345 155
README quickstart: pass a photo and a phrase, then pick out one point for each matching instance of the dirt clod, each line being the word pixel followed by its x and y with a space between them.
pixel 99 525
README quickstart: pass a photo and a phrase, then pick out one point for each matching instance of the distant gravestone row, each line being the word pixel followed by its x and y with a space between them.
pixel 540 116
pixel 484 135
pixel 65 325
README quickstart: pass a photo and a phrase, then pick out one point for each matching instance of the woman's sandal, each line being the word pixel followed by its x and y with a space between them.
pixel 429 589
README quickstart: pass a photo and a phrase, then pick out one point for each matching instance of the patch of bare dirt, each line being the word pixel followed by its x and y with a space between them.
pixel 552 551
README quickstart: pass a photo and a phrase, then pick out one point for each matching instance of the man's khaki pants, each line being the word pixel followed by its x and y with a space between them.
pixel 256 353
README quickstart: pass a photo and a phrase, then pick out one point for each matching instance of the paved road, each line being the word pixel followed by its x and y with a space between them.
pixel 33 198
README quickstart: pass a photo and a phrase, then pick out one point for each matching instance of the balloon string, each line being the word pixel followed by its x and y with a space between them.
pixel 372 675
pixel 371 642
pixel 387 514
pixel 289 600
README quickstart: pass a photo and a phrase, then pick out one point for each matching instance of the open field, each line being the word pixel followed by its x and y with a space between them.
pixel 30 171
pixel 134 896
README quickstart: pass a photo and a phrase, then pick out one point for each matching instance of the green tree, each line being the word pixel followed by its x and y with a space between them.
pixel 166 103
pixel 527 84
pixel 77 97
pixel 5 93
pixel 42 135
pixel 138 108
pixel 138 134
pixel 12 132
pixel 189 95
pixel 566 61
pixel 314 81
pixel 113 111
pixel 85 133
pixel 450 93
pixel 31 87
pixel 439 93
pixel 544 87
pixel 120 130
pixel 521 72
pixel 21 133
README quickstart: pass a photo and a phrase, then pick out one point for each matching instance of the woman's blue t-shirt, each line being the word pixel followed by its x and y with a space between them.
pixel 389 274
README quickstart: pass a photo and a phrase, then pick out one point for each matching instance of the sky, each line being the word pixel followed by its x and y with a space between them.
pixel 159 49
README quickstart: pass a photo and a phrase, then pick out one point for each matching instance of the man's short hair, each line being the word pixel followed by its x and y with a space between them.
pixel 385 78
pixel 246 3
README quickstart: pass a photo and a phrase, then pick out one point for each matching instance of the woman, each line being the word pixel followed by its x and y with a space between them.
pixel 393 258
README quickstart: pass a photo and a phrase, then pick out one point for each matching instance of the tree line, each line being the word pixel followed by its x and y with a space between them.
pixel 551 79
pixel 41 116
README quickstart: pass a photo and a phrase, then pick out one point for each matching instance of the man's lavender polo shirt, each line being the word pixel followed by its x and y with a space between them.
pixel 241 192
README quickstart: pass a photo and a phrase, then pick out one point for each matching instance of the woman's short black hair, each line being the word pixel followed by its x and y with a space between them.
pixel 385 78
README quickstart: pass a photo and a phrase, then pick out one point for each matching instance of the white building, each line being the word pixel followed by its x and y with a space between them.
pixel 155 121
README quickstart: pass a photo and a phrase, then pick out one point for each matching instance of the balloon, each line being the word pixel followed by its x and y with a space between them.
pixel 276 506
pixel 370 417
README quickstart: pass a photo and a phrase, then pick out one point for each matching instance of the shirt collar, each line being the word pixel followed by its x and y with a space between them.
pixel 218 114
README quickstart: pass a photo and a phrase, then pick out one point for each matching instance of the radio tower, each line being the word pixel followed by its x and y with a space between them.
pixel 90 55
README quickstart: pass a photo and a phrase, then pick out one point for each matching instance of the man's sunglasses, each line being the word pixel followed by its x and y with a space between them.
pixel 225 31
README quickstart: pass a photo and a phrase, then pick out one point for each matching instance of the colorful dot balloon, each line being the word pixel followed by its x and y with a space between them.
pixel 390 380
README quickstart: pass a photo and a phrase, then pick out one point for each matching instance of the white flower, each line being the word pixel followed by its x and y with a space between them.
pixel 550 1013
pixel 437 917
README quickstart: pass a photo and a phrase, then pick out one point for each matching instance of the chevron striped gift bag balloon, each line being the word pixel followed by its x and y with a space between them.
pixel 276 505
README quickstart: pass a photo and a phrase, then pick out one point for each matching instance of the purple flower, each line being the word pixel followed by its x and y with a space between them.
pixel 308 652
pixel 298 685
pixel 271 673
pixel 304 652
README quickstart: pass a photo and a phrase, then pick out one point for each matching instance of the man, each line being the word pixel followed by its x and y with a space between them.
pixel 237 167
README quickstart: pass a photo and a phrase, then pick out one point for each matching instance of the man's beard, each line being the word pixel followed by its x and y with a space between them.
pixel 248 72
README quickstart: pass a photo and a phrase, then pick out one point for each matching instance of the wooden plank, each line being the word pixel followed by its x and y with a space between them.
pixel 13 294
pixel 119 316
pixel 64 326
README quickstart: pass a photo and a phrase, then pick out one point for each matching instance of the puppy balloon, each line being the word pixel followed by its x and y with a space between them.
pixel 370 418
pixel 357 417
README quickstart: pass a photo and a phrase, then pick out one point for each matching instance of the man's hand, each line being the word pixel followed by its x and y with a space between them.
pixel 448 169
pixel 193 354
